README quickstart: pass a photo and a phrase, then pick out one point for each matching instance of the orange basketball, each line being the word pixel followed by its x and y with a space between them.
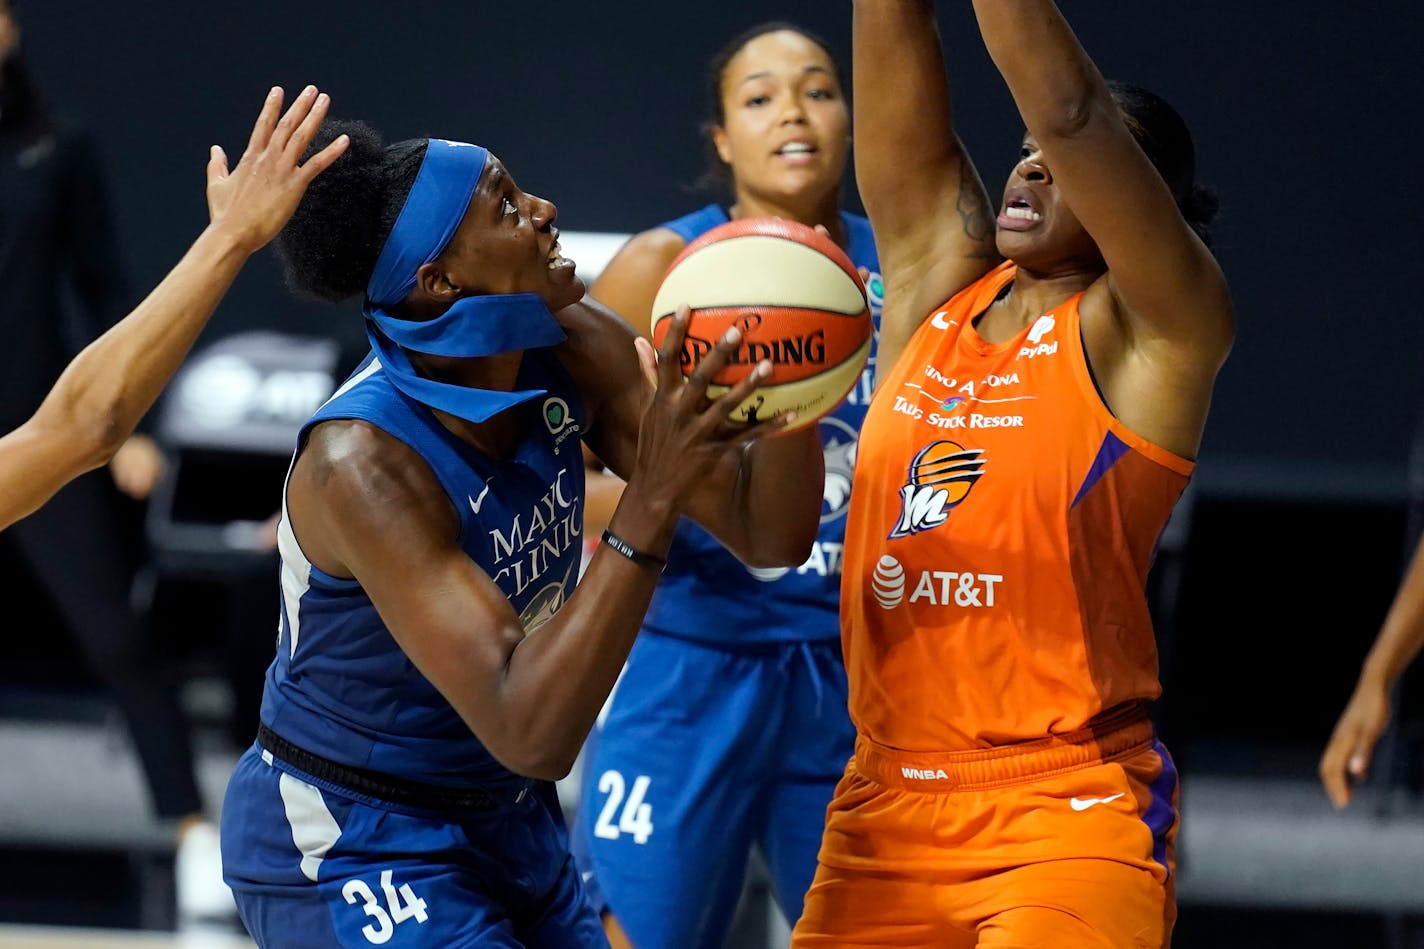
pixel 798 301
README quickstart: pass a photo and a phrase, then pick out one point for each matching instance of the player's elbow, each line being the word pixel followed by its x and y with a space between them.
pixel 1075 110
pixel 542 761
pixel 789 547
pixel 90 440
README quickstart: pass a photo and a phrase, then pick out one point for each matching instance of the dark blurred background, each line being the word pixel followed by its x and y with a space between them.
pixel 1281 565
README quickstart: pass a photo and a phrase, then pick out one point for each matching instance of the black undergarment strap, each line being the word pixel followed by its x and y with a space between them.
pixel 382 786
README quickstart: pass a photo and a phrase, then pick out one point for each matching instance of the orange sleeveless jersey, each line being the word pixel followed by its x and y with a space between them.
pixel 1000 532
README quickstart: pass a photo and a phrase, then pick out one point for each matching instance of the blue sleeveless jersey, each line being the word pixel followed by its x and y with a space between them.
pixel 708 595
pixel 340 686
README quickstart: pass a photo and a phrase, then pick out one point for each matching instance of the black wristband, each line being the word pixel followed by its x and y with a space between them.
pixel 631 552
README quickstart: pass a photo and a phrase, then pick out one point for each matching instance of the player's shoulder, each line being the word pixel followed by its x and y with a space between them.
pixel 694 224
pixel 657 245
pixel 597 340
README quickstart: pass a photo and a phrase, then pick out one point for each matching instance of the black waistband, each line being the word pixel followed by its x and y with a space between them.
pixel 387 787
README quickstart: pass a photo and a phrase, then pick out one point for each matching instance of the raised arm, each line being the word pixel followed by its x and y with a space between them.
pixel 1167 289
pixel 108 387
pixel 933 221
pixel 1347 756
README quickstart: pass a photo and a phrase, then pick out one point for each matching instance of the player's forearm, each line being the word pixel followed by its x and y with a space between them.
pixel 602 492
pixel 109 386
pixel 903 116
pixel 1053 81
pixel 1402 635
pixel 780 502
pixel 559 676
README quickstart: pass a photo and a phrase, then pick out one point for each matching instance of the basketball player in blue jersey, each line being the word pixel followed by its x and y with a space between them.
pixel 106 389
pixel 436 670
pixel 728 729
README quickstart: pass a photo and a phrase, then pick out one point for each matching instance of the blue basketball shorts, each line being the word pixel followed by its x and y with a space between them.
pixel 311 864
pixel 704 753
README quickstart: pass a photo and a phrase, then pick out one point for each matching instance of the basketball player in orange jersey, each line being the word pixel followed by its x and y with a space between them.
pixel 1045 386
pixel 103 393
pixel 728 729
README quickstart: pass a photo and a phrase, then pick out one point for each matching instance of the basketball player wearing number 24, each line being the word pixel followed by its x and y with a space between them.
pixel 728 729
pixel 1051 376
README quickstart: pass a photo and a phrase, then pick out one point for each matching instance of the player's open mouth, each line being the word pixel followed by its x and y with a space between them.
pixel 797 148
pixel 556 255
pixel 1020 210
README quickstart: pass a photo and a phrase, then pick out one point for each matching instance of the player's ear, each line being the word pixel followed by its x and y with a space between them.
pixel 720 143
pixel 435 283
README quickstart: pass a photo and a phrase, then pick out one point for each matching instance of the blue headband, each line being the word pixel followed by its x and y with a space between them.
pixel 473 326
pixel 433 209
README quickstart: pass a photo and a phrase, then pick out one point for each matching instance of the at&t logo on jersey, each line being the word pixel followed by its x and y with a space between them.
pixel 890 585
pixel 941 476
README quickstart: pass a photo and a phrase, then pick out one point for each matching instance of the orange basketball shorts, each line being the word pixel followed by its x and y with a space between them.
pixel 1056 844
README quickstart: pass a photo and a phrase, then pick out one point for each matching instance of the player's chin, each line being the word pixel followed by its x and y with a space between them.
pixel 565 287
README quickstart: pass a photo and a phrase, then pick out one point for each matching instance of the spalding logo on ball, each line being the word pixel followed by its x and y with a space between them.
pixel 798 301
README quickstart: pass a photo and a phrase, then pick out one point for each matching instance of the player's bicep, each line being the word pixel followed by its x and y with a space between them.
pixel 1165 282
pixel 363 505
pixel 601 357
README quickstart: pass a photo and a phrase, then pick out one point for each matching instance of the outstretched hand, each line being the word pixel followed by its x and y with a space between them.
pixel 684 432
pixel 1346 760
pixel 255 199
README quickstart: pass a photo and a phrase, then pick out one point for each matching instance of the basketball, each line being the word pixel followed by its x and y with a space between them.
pixel 798 301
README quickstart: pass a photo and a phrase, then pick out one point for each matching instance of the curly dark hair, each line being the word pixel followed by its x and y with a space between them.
pixel 1163 135
pixel 329 247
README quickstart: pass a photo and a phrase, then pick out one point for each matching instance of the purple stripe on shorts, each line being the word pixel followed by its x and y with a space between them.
pixel 1111 450
pixel 1161 814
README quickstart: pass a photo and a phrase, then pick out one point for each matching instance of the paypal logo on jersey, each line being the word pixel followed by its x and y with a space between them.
pixel 1036 346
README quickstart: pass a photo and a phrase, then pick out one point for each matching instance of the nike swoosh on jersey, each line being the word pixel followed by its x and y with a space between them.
pixel 476 502
pixel 1083 803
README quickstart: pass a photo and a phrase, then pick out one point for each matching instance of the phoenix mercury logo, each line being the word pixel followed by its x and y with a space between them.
pixel 940 477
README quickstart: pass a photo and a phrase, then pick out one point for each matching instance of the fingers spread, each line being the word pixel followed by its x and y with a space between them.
pixel 322 160
pixel 738 393
pixel 282 134
pixel 647 360
pixel 217 165
pixel 266 121
pixel 715 361
pixel 670 353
